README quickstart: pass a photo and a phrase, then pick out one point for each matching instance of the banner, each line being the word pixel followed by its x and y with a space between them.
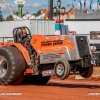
pixel 8 40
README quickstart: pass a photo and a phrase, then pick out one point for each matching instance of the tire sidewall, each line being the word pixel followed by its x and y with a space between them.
pixel 9 69
pixel 66 69
pixel 88 73
pixel 16 65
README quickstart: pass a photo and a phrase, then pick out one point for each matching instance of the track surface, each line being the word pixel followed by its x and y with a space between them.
pixel 69 89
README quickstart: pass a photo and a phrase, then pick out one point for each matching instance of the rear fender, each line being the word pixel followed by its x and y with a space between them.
pixel 20 48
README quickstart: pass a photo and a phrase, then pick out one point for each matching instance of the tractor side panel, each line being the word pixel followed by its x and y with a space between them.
pixel 45 44
pixel 51 57
pixel 53 48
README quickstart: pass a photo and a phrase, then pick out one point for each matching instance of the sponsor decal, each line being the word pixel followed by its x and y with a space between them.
pixel 48 43
pixel 72 32
pixel 8 40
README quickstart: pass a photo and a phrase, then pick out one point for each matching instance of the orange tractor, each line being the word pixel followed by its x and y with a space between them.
pixel 43 56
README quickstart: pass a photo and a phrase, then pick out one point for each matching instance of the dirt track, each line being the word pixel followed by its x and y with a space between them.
pixel 69 89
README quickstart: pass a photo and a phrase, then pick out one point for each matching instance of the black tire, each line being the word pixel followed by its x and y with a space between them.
pixel 86 72
pixel 66 69
pixel 18 81
pixel 15 66
pixel 36 80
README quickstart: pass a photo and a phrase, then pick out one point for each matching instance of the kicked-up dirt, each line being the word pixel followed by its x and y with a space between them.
pixel 69 89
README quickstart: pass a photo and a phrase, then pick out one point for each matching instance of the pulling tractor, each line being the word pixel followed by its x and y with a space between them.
pixel 43 56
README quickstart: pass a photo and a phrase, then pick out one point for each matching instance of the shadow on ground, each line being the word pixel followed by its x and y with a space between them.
pixel 73 85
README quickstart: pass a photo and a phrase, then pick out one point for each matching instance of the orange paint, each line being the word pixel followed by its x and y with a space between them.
pixel 20 47
pixel 28 71
pixel 45 44
pixel 51 43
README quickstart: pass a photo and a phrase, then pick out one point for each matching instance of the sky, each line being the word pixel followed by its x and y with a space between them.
pixel 32 6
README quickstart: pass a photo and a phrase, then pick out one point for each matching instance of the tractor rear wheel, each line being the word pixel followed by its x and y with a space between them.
pixel 86 72
pixel 12 66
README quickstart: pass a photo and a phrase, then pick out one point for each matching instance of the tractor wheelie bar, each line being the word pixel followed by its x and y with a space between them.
pixel 39 57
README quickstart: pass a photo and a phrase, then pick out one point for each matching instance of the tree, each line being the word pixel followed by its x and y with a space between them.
pixel 37 13
pixel 1 16
pixel 23 15
pixel 9 18
pixel 16 13
pixel 57 13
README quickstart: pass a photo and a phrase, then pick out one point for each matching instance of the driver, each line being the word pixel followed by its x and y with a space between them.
pixel 25 40
pixel 24 35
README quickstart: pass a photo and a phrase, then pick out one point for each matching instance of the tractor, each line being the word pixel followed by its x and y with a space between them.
pixel 37 57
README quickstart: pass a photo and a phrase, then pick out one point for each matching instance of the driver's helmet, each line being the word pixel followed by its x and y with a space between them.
pixel 24 32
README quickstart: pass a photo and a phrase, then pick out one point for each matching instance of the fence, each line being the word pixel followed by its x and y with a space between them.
pixel 6 39
pixel 6 27
pixel 42 27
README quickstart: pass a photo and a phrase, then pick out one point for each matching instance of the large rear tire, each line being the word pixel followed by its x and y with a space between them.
pixel 12 66
pixel 86 72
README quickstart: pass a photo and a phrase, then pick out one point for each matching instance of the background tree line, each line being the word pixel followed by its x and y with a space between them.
pixel 9 17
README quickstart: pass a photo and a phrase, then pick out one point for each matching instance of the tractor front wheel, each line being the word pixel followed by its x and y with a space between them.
pixel 62 69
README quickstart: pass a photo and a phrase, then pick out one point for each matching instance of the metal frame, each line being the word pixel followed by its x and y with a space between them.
pixel 20 28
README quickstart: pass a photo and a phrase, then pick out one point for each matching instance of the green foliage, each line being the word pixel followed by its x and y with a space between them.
pixel 2 19
pixel 1 16
pixel 16 13
pixel 37 13
pixel 23 15
pixel 57 13
pixel 9 18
